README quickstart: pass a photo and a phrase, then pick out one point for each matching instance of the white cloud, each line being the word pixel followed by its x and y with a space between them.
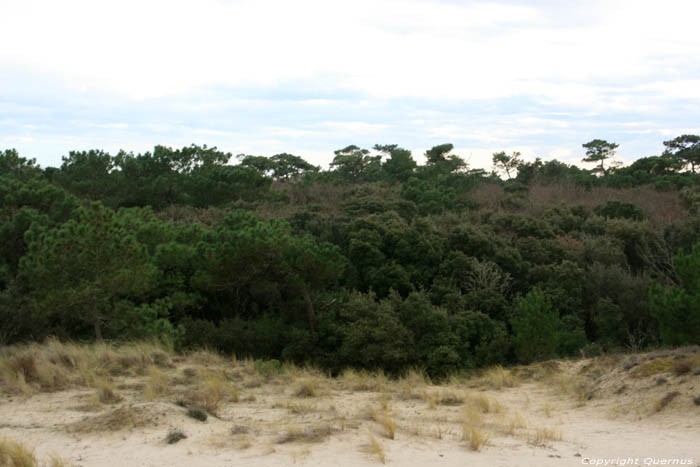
pixel 392 48
pixel 483 73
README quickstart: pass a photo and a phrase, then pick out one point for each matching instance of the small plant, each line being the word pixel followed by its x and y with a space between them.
pixel 682 367
pixel 307 387
pixel 449 398
pixel 475 436
pixel 268 368
pixel 541 435
pixel 197 413
pixel 696 400
pixel 239 430
pixel 510 425
pixel 498 377
pixel 375 448
pixel 312 434
pixel 664 401
pixel 482 402
pixel 106 392
pixel 157 384
pixel 385 420
pixel 472 417
pixel 547 410
pixel 175 436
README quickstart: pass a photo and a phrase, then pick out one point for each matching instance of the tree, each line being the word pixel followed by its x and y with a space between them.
pixel 598 151
pixel 685 149
pixel 20 168
pixel 354 164
pixel 400 164
pixel 83 268
pixel 506 163
pixel 244 254
pixel 677 308
pixel 88 174
pixel 535 327
pixel 260 163
pixel 440 161
pixel 286 166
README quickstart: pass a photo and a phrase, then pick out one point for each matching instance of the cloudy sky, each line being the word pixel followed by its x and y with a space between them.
pixel 310 76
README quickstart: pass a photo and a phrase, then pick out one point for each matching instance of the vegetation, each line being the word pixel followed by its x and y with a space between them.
pixel 376 264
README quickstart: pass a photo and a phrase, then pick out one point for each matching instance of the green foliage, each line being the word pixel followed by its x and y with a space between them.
pixel 677 308
pixel 505 163
pixel 535 328
pixel 685 150
pixel 598 151
pixel 377 263
pixel 619 210
pixel 85 268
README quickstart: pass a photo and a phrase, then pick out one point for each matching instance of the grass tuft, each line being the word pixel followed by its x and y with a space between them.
pixel 106 392
pixel 312 434
pixel 540 436
pixel 498 378
pixel 475 436
pixel 307 387
pixel 375 447
pixel 14 454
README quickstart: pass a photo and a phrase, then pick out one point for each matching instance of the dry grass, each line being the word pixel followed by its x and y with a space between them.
pixel 664 401
pixel 540 436
pixel 310 434
pixel 299 409
pixel 471 417
pixel 106 393
pixel 685 365
pixel 483 403
pixel 653 367
pixel 362 380
pixel 55 366
pixel 574 386
pixel 307 387
pixel 14 454
pixel 157 384
pixel 374 447
pixel 498 378
pixel 384 419
pixel 476 436
pixel 449 398
pixel 212 390
pixel 114 420
pixel 509 425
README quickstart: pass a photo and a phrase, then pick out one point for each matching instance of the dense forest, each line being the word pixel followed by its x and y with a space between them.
pixel 377 262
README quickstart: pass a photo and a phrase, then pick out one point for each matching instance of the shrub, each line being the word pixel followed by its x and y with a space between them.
pixel 175 436
pixel 197 414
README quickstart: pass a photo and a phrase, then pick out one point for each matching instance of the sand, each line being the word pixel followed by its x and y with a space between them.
pixel 585 411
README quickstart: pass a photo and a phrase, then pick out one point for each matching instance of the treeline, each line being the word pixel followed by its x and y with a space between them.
pixel 377 262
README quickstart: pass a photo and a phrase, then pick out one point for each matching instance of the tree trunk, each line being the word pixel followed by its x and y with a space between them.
pixel 310 312
pixel 96 324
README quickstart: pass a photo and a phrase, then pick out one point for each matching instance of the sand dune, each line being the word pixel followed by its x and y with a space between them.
pixel 557 413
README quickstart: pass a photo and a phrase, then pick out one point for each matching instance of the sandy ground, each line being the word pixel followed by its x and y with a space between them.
pixel 539 422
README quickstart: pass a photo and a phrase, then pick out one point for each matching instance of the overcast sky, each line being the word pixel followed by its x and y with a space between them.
pixel 308 77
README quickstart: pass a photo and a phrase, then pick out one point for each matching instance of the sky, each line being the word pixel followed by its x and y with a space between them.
pixel 312 76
